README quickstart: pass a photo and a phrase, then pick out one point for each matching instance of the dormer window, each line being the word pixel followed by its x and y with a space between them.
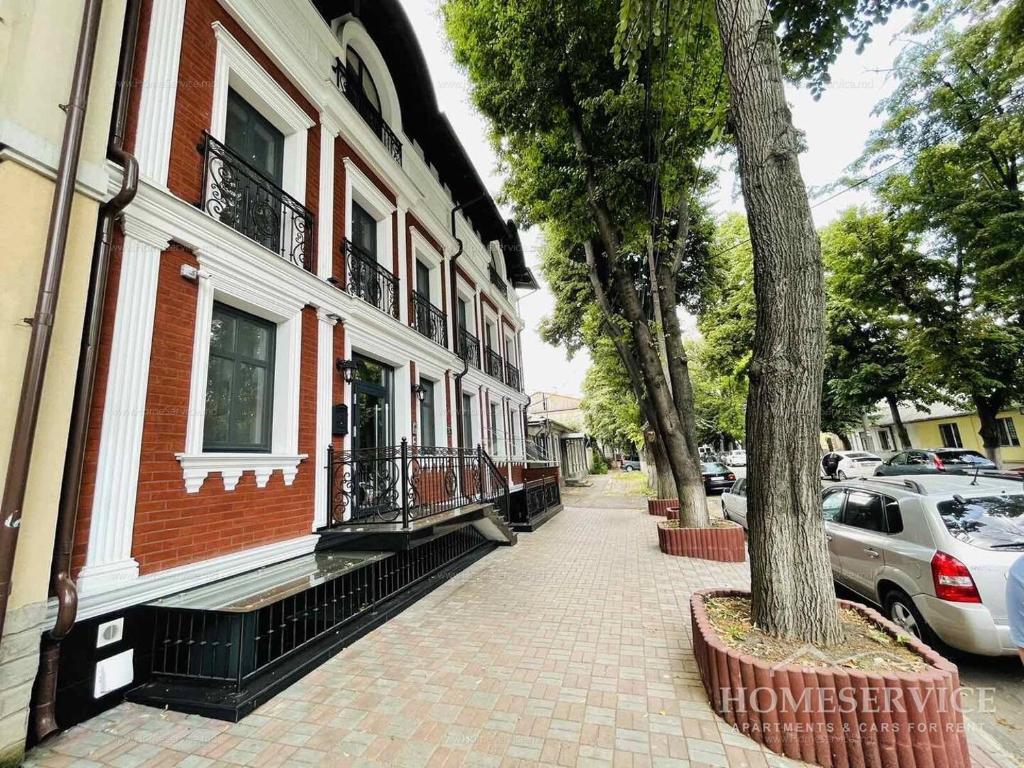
pixel 361 76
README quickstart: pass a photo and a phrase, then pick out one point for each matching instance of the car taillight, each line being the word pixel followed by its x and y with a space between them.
pixel 938 464
pixel 953 581
pixel 730 476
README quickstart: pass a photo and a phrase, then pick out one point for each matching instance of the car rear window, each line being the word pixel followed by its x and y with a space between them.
pixel 990 522
pixel 855 455
pixel 962 457
pixel 714 469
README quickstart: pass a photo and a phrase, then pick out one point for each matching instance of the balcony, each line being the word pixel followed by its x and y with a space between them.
pixel 513 377
pixel 369 280
pixel 469 347
pixel 429 320
pixel 251 203
pixel 493 365
pixel 349 85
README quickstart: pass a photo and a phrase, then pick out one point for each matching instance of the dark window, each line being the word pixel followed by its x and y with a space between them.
pixel 496 429
pixel 239 385
pixel 893 517
pixel 739 488
pixel 462 313
pixel 359 71
pixel 919 458
pixel 883 436
pixel 962 458
pixel 864 511
pixel 832 506
pixel 423 280
pixel 1007 433
pixel 364 230
pixel 714 468
pixel 950 436
pixel 899 459
pixel 428 433
pixel 467 421
pixel 253 137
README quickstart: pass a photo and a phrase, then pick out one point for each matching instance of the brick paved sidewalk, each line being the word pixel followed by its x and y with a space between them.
pixel 571 648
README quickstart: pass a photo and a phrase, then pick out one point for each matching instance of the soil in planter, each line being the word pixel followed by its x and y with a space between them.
pixel 674 523
pixel 865 647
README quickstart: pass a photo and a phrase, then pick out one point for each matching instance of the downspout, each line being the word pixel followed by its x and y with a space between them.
pixel 61 584
pixel 23 439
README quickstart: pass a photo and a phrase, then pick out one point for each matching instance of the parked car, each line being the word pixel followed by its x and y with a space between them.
pixel 737 458
pixel 631 465
pixel 855 464
pixel 932 551
pixel 717 477
pixel 926 462
pixel 734 503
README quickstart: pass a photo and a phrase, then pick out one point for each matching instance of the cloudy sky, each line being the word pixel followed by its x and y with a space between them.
pixel 836 127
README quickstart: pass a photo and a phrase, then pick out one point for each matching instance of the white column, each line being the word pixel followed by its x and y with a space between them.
pixel 324 400
pixel 403 403
pixel 108 560
pixel 159 90
pixel 404 279
pixel 325 216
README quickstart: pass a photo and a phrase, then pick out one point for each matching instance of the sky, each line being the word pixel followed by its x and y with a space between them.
pixel 836 127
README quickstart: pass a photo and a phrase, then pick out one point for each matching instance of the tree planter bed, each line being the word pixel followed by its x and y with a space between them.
pixel 725 543
pixel 660 507
pixel 831 716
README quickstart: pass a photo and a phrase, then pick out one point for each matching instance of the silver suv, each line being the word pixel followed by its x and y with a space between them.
pixel 932 550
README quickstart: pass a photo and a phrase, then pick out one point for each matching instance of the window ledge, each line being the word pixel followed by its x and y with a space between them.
pixel 196 467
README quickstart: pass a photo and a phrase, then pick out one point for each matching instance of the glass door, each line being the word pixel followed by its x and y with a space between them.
pixel 374 457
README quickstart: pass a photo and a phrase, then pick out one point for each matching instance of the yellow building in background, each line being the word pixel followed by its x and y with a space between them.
pixel 38 45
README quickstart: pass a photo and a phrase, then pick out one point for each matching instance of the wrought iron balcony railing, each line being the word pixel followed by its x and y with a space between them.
pixel 513 377
pixel 369 280
pixel 348 83
pixel 469 347
pixel 239 195
pixel 429 320
pixel 496 279
pixel 493 365
pixel 404 483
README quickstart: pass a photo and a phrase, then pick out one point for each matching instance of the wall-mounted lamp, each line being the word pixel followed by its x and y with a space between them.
pixel 420 390
pixel 347 368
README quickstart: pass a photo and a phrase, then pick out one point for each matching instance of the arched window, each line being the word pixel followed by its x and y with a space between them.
pixel 361 74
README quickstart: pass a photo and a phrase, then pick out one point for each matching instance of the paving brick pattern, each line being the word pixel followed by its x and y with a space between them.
pixel 571 648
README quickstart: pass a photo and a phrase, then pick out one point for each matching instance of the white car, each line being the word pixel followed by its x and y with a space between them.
pixel 932 551
pixel 737 458
pixel 855 464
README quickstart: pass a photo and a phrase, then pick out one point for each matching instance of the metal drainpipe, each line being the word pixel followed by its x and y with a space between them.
pixel 46 303
pixel 45 693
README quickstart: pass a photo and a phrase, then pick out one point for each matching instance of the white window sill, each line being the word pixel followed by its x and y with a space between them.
pixel 196 467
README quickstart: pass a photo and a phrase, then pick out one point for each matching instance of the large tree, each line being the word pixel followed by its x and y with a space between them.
pixel 608 155
pixel 948 159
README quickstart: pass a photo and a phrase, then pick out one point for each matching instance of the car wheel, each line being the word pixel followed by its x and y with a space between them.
pixel 842 476
pixel 902 612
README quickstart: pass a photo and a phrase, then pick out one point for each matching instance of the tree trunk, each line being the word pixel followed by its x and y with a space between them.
pixel 845 438
pixel 988 414
pixel 897 420
pixel 659 476
pixel 791 577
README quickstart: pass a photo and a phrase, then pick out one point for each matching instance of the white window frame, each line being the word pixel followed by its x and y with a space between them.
pixel 237 70
pixel 423 251
pixel 359 189
pixel 353 33
pixel 440 413
pixel 467 295
pixel 249 294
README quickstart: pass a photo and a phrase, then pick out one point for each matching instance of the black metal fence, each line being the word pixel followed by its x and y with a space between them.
pixel 493 364
pixel 349 84
pixel 370 281
pixel 429 320
pixel 469 347
pixel 401 484
pixel 239 195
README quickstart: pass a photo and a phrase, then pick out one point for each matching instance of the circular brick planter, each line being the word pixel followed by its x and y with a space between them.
pixel 835 717
pixel 660 507
pixel 724 543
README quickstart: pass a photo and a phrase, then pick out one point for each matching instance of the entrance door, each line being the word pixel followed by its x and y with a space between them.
pixel 375 467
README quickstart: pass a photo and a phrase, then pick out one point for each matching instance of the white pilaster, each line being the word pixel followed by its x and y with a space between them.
pixel 159 90
pixel 324 399
pixel 404 278
pixel 326 214
pixel 108 560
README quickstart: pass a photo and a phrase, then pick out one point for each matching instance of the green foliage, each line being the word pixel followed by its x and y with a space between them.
pixel 598 466
pixel 609 405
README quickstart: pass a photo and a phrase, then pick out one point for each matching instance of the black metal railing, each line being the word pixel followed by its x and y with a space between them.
pixel 512 377
pixel 429 320
pixel 496 279
pixel 370 281
pixel 348 83
pixel 493 365
pixel 248 201
pixel 469 347
pixel 404 483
